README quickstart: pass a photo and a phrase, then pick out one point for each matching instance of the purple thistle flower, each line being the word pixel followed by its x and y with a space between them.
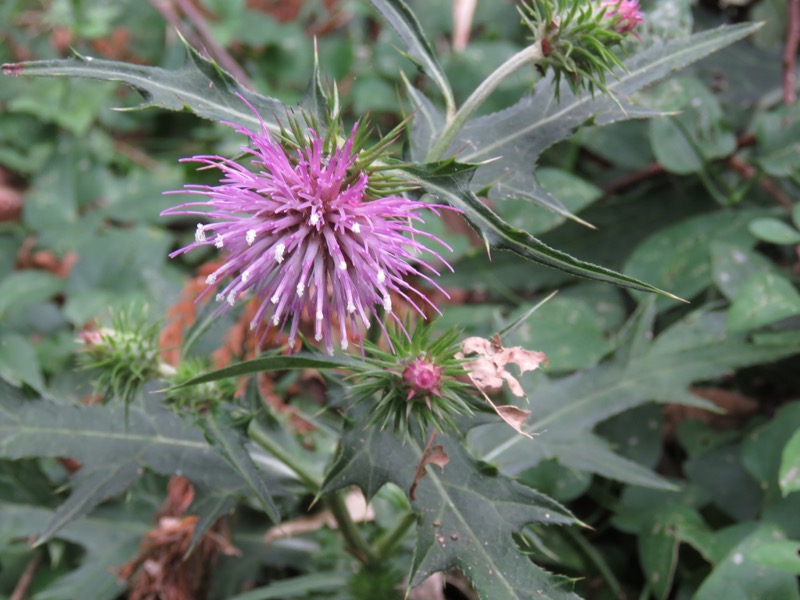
pixel 626 12
pixel 301 234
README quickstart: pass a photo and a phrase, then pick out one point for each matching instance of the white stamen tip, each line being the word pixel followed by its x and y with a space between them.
pixel 300 290
pixel 387 303
pixel 220 297
pixel 320 316
pixel 211 279
pixel 367 324
pixel 253 325
pixel 275 320
pixel 351 308
pixel 279 250
pixel 219 242
pixel 344 344
pixel 250 237
pixel 381 276
pixel 356 228
pixel 232 298
pixel 318 337
pixel 275 299
pixel 200 234
pixel 314 219
pixel 343 266
pixel 245 275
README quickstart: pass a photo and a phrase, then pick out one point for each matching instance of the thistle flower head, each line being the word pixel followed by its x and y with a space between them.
pixel 421 385
pixel 577 37
pixel 124 355
pixel 306 230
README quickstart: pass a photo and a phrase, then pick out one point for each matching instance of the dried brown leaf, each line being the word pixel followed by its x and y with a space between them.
pixel 432 455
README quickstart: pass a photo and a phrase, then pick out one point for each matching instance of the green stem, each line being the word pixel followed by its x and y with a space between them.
pixel 388 542
pixel 530 54
pixel 597 559
pixel 334 501
pixel 260 436
pixel 358 546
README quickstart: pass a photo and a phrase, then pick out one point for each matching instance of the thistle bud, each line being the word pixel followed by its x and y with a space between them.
pixel 421 378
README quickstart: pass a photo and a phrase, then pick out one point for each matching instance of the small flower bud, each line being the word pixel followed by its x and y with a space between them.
pixel 421 378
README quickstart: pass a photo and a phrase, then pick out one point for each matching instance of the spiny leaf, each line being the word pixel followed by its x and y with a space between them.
pixel 200 86
pixel 110 537
pixel 695 349
pixel 221 432
pixel 400 17
pixel 449 181
pixel 513 139
pixel 277 362
pixel 467 513
pixel 112 449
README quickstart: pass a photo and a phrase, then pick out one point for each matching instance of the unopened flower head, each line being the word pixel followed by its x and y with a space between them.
pixel 422 384
pixel 577 37
pixel 421 378
pixel 625 13
pixel 304 232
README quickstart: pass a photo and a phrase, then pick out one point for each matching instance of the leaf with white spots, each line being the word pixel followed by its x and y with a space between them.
pixel 733 264
pixel 763 299
pixel 740 575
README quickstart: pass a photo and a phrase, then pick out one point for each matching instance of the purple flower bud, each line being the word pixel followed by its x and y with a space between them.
pixel 422 377
pixel 301 235
pixel 626 12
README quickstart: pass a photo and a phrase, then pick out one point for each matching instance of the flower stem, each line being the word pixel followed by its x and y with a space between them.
pixel 261 436
pixel 388 542
pixel 355 541
pixel 334 502
pixel 530 54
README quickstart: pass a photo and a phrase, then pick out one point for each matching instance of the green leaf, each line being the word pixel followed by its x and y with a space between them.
pixel 733 264
pixel 789 475
pixel 722 475
pixel 677 256
pixel 774 231
pixel 740 577
pixel 400 17
pixel 468 514
pixel 220 431
pixel 449 181
pixel 765 447
pixel 23 289
pixel 578 345
pixel 513 139
pixel 783 555
pixel 304 586
pixel 112 448
pixel 277 362
pixel 200 86
pixel 763 299
pixel 564 411
pixel 109 537
pixel 685 143
pixel 19 363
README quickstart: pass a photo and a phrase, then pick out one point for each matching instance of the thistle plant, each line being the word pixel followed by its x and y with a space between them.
pixel 315 233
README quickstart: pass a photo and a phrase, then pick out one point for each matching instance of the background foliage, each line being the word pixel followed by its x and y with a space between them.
pixel 682 501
